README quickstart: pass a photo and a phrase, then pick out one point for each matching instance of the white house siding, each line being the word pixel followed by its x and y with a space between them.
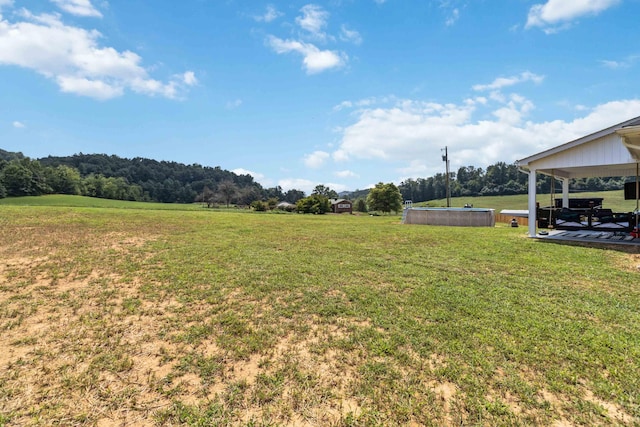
pixel 607 150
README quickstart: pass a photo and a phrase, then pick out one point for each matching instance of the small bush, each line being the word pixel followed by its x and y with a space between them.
pixel 259 206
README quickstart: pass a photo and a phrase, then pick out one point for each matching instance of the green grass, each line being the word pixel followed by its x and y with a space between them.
pixel 612 199
pixel 92 202
pixel 143 316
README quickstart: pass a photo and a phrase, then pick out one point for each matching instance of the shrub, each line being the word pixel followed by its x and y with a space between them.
pixel 259 206
pixel 315 204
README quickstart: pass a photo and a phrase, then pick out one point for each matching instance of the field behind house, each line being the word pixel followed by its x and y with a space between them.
pixel 613 200
pixel 128 316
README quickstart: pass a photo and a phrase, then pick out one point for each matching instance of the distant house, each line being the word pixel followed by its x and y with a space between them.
pixel 341 206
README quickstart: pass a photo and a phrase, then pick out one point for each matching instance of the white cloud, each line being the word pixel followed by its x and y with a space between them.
pixel 78 7
pixel 451 10
pixel 308 186
pixel 399 132
pixel 314 59
pixel 410 135
pixel 297 184
pixel 189 78
pixel 343 105
pixel 19 125
pixel 349 35
pixel 365 102
pixel 4 3
pixel 502 82
pixel 455 14
pixel 314 20
pixel 73 58
pixel 271 14
pixel 613 64
pixel 241 171
pixel 346 174
pixel 316 159
pixel 620 64
pixel 97 89
pixel 338 188
pixel 555 14
pixel 414 169
pixel 257 177
pixel 231 105
pixel 340 155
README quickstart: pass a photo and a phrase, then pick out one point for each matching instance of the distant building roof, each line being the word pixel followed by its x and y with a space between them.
pixel 336 201
pixel 284 204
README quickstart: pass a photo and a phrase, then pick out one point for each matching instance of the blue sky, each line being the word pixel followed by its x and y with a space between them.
pixel 344 93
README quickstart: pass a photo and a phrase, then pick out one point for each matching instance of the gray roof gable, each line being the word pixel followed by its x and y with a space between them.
pixel 635 122
pixel 336 201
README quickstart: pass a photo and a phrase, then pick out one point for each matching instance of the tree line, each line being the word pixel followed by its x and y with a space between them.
pixel 497 180
pixel 141 179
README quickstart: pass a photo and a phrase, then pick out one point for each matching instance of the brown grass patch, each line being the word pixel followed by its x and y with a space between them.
pixel 612 410
pixel 630 262
pixel 99 327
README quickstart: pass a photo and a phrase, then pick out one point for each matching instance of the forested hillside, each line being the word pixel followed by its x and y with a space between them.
pixel 159 181
pixel 8 156
pixel 140 179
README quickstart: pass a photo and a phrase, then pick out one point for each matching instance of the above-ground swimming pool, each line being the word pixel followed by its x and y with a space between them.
pixel 463 217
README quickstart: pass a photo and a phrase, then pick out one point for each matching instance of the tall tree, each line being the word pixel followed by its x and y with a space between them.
pixel 360 205
pixel 384 198
pixel 228 190
pixel 293 195
pixel 248 195
pixel 16 179
pixel 275 192
pixel 24 177
pixel 206 197
pixel 63 179
pixel 327 192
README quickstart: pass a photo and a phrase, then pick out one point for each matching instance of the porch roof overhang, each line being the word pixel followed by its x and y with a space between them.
pixel 614 151
pixel 618 170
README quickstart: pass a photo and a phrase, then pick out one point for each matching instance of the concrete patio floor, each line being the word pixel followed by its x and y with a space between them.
pixel 605 239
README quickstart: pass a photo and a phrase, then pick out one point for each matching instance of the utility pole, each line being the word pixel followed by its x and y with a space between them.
pixel 445 159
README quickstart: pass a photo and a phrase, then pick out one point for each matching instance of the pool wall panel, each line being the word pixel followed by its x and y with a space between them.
pixel 451 217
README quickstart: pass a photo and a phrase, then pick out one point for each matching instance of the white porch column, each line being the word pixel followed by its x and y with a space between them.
pixel 565 192
pixel 532 203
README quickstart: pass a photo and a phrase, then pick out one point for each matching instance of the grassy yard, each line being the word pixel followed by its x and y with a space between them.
pixel 92 202
pixel 113 316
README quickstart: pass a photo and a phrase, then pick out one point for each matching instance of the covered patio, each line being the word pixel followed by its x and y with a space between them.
pixel 611 152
